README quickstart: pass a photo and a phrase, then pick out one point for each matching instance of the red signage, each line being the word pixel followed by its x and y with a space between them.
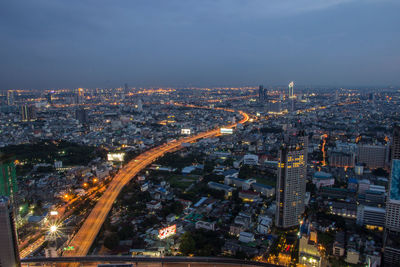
pixel 167 231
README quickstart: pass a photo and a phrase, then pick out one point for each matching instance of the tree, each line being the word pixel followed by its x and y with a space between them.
pixel 188 244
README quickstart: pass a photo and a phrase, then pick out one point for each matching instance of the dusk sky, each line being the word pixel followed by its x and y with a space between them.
pixel 98 43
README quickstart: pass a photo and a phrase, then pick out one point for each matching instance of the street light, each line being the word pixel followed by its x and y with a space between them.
pixel 53 228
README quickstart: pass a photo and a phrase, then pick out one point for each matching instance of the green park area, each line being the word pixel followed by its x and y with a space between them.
pixel 181 181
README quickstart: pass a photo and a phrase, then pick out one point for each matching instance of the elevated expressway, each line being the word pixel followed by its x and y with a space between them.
pixel 84 238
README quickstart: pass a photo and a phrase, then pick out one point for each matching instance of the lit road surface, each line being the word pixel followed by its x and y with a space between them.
pixel 32 247
pixel 84 238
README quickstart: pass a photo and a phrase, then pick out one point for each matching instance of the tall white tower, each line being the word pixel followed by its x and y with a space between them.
pixel 291 89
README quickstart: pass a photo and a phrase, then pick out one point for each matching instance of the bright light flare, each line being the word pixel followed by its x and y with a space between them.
pixel 53 228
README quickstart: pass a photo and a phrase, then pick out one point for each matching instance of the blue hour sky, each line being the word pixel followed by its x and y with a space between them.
pixel 99 43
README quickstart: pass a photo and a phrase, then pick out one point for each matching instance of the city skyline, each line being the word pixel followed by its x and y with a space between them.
pixel 205 44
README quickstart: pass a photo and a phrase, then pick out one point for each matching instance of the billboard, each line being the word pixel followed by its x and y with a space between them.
pixel 226 131
pixel 167 231
pixel 116 156
pixel 395 180
pixel 185 131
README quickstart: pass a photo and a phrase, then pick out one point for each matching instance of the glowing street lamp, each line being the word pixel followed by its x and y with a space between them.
pixel 53 229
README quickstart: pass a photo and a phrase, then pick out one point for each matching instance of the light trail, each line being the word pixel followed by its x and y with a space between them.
pixel 84 238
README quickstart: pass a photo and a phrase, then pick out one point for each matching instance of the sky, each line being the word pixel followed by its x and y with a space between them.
pixel 206 43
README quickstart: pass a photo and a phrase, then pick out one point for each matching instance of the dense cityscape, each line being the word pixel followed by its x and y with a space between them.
pixel 212 133
pixel 283 176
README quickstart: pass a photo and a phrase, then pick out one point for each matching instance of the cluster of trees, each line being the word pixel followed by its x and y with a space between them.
pixel 175 160
pixel 47 151
pixel 200 243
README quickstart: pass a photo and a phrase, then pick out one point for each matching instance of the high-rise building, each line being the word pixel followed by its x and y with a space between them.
pixel 373 156
pixel 396 143
pixel 261 96
pixel 49 98
pixel 291 89
pixel 79 96
pixel 126 88
pixel 28 113
pixel 10 98
pixel 336 95
pixel 81 115
pixel 8 177
pixel 140 105
pixel 391 256
pixel 291 183
pixel 9 254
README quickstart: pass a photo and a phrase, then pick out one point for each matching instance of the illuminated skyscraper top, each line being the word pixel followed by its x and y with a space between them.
pixel 291 182
pixel 10 97
pixel 291 89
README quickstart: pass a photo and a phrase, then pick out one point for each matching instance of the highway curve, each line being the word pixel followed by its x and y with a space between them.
pixel 84 238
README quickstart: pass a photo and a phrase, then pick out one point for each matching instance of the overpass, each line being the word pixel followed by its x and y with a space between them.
pixel 84 238
pixel 143 261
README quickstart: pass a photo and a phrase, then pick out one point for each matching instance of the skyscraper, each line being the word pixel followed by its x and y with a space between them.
pixel 391 256
pixel 49 98
pixel 126 89
pixel 291 89
pixel 396 143
pixel 28 113
pixel 261 94
pixel 81 115
pixel 10 98
pixel 8 177
pixel 79 96
pixel 9 254
pixel 291 183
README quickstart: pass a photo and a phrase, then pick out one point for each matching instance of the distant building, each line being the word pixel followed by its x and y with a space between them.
pixel 261 96
pixel 323 179
pixel 28 113
pixel 250 159
pixel 371 217
pixel 10 98
pixel 210 226
pixel 79 96
pixel 395 147
pixel 140 105
pixel 126 88
pixel 373 156
pixel 221 187
pixel 9 253
pixel 81 115
pixel 342 159
pixel 274 106
pixel 49 98
pixel 291 182
pixel 291 89
pixel 391 248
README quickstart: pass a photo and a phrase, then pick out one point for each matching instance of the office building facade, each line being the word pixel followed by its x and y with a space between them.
pixel 391 255
pixel 10 98
pixel 9 254
pixel 28 113
pixel 291 183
